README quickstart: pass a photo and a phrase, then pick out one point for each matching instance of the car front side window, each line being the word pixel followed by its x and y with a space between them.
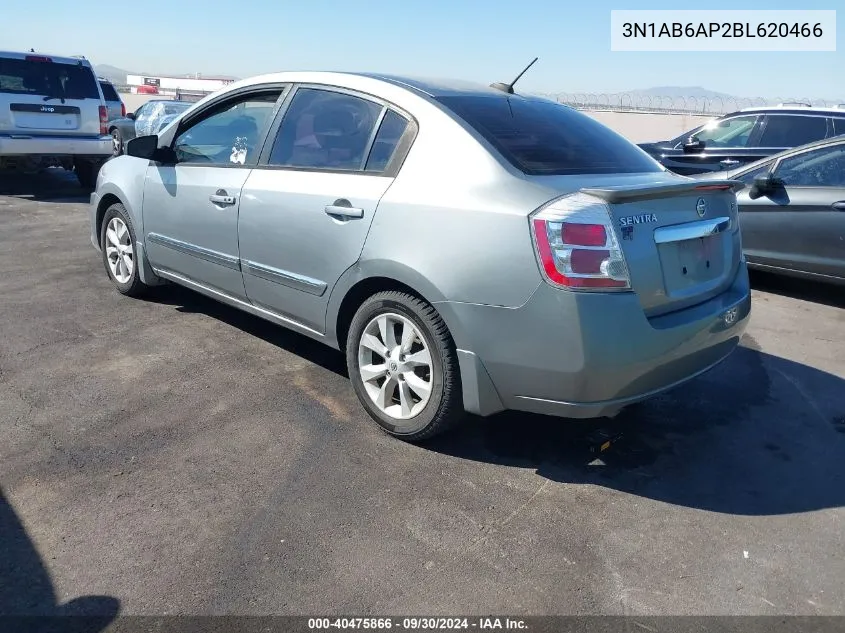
pixel 230 134
pixel 823 167
pixel 734 132
pixel 323 129
pixel 749 176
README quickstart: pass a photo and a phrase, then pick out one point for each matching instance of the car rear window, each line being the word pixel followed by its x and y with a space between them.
pixel 109 93
pixel 545 138
pixel 48 79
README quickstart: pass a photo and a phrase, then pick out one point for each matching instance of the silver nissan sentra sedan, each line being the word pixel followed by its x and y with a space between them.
pixel 469 249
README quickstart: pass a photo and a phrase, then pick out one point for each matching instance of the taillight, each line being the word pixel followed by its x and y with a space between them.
pixel 122 109
pixel 104 120
pixel 576 244
pixel 37 58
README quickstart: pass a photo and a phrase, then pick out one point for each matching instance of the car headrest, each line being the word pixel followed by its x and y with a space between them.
pixel 334 123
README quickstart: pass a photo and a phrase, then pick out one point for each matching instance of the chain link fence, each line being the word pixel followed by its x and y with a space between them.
pixel 639 102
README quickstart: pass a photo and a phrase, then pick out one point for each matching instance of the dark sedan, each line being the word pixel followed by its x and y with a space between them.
pixel 739 138
pixel 792 211
pixel 148 119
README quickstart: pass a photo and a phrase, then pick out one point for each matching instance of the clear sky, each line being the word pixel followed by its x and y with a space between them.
pixel 467 39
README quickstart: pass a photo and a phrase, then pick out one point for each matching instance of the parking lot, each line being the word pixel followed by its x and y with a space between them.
pixel 176 456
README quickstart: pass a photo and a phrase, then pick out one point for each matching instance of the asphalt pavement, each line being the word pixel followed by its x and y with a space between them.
pixel 175 456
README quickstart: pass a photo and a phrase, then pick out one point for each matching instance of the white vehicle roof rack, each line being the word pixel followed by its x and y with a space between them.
pixel 793 104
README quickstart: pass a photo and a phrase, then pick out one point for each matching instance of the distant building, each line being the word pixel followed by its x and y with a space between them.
pixel 164 85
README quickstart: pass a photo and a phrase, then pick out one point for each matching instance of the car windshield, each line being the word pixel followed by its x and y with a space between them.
pixel 47 79
pixel 545 138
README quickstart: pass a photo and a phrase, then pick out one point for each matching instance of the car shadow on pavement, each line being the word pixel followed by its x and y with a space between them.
pixel 28 601
pixel 828 294
pixel 49 185
pixel 757 435
pixel 188 301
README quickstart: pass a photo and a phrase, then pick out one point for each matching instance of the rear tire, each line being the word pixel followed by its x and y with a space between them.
pixel 87 172
pixel 117 243
pixel 410 382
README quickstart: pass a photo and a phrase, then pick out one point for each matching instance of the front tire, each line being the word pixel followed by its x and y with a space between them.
pixel 117 243
pixel 403 366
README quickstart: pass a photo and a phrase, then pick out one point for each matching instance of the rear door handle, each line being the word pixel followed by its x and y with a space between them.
pixel 728 162
pixel 839 206
pixel 346 212
pixel 222 198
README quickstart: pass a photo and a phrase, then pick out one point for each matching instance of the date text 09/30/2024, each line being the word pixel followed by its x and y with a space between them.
pixel 417 624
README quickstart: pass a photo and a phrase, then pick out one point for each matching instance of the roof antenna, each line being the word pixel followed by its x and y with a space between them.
pixel 508 88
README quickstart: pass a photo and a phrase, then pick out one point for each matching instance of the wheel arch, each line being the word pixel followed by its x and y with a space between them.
pixel 366 279
pixel 478 393
pixel 108 195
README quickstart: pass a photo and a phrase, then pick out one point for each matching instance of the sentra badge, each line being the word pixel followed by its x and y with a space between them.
pixel 631 220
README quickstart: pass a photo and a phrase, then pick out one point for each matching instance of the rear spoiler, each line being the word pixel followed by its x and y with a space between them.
pixel 633 193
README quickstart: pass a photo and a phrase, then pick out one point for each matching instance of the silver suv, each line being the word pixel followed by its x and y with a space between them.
pixel 52 114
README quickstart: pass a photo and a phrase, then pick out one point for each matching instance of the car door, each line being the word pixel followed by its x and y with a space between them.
pixel 800 226
pixel 727 144
pixel 190 208
pixel 307 207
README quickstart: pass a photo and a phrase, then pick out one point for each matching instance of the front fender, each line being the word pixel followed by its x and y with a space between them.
pixel 121 179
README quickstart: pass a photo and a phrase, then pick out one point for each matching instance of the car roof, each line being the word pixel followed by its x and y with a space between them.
pixel 796 109
pixel 59 59
pixel 430 87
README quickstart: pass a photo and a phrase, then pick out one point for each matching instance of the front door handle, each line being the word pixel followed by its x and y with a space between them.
pixel 344 211
pixel 728 162
pixel 222 198
pixel 839 206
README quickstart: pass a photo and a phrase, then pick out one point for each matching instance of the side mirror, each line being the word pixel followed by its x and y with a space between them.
pixel 694 145
pixel 146 147
pixel 764 185
pixel 130 115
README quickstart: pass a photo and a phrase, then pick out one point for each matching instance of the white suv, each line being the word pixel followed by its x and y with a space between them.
pixel 52 113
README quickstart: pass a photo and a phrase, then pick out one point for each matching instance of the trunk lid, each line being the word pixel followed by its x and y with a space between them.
pixel 680 237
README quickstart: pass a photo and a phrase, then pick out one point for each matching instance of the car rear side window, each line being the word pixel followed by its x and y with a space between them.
pixel 109 93
pixel 838 126
pixel 47 79
pixel 791 131
pixel 323 129
pixel 390 131
pixel 545 138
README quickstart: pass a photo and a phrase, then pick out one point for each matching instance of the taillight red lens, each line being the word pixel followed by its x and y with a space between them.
pixel 583 234
pixel 104 120
pixel 37 58
pixel 122 109
pixel 587 262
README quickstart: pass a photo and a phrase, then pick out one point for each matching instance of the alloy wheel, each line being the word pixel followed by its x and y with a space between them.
pixel 395 365
pixel 119 250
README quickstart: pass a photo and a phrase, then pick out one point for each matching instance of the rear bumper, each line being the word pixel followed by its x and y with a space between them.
pixel 585 355
pixel 32 146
